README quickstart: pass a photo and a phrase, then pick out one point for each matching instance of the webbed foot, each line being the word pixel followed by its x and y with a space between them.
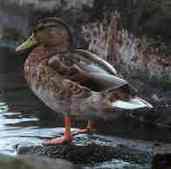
pixel 59 140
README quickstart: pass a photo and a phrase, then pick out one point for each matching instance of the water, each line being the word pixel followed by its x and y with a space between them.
pixel 13 131
pixel 118 164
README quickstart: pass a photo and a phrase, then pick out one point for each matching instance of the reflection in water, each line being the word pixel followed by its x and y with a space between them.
pixel 3 107
pixel 15 129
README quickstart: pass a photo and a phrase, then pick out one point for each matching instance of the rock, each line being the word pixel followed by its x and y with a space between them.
pixel 50 4
pixel 86 154
pixel 161 161
pixel 155 98
pixel 34 162
pixel 162 156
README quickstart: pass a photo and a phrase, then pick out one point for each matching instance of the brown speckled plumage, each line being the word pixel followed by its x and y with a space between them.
pixel 58 81
pixel 71 81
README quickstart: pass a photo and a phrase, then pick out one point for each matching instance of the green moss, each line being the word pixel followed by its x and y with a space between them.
pixel 7 162
pixel 164 83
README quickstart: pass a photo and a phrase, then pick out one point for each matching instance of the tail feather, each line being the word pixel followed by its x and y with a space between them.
pixel 132 104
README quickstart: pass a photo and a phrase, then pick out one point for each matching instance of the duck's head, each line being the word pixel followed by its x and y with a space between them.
pixel 49 32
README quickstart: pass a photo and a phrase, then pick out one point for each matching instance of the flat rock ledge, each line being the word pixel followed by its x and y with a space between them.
pixel 86 154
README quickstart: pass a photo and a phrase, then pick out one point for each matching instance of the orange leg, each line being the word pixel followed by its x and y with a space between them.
pixel 90 128
pixel 67 138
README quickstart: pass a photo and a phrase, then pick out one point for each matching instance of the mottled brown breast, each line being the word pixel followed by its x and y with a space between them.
pixel 43 64
pixel 37 56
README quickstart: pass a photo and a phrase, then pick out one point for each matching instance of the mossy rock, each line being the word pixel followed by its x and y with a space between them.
pixel 33 162
pixel 87 154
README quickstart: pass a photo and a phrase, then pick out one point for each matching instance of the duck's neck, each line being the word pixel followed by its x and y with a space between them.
pixel 42 53
pixel 55 49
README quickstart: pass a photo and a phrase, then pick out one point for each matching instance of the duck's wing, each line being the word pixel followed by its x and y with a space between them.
pixel 94 63
pixel 101 75
pixel 87 74
pixel 104 76
pixel 88 70
pixel 131 104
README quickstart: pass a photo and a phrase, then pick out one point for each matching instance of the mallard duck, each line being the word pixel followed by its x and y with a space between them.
pixel 71 81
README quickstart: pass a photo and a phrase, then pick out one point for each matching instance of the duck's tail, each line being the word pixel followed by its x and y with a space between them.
pixel 132 104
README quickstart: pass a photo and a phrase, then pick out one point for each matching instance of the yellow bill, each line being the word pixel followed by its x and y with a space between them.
pixel 29 43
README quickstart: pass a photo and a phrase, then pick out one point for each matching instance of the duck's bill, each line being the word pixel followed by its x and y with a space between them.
pixel 29 43
pixel 132 104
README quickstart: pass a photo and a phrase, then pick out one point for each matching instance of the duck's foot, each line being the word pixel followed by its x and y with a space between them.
pixel 59 140
pixel 91 128
pixel 84 131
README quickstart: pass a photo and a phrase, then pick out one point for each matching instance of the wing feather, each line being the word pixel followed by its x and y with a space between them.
pixel 99 63
pixel 87 69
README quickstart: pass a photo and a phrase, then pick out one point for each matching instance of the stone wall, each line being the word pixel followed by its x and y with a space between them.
pixel 51 4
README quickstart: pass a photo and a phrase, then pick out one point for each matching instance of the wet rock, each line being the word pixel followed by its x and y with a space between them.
pixel 87 154
pixel 33 162
pixel 155 98
pixel 161 161
pixel 162 156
